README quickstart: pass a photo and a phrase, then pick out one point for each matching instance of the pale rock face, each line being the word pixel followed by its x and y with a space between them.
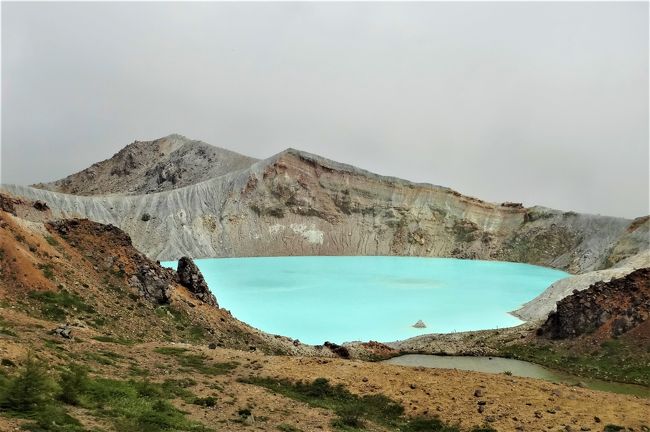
pixel 297 203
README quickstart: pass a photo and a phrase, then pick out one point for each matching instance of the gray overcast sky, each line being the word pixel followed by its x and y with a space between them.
pixel 543 103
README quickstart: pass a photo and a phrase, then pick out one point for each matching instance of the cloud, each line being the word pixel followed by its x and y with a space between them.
pixel 544 103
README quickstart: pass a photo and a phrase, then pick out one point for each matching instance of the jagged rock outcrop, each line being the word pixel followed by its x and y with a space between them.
pixel 152 284
pixel 607 308
pixel 191 278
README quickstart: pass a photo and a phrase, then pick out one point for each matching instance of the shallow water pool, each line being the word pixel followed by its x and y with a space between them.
pixel 339 299
pixel 516 368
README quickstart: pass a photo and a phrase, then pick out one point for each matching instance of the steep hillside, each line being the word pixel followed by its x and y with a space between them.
pixel 152 166
pixel 300 204
pixel 89 275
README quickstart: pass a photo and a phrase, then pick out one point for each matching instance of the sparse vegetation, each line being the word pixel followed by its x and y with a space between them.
pixel 110 339
pixel 56 305
pixel 614 360
pixel 51 240
pixel 196 362
pixel 5 330
pixel 288 428
pixel 352 411
pixel 209 401
pixel 130 406
pixel 48 270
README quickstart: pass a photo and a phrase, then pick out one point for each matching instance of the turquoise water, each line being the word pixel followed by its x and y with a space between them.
pixel 341 299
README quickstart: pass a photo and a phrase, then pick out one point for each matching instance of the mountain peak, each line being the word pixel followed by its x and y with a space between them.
pixel 158 165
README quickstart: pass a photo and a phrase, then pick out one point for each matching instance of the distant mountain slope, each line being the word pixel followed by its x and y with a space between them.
pixel 296 203
pixel 152 166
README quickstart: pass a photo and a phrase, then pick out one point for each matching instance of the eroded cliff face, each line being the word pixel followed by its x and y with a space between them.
pixel 296 203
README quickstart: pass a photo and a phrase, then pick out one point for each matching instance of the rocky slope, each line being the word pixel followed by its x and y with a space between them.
pixel 152 166
pixel 604 310
pixel 296 203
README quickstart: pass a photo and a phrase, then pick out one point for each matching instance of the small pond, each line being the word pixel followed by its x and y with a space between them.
pixel 517 368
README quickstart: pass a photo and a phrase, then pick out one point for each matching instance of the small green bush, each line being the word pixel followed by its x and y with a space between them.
pixel 47 270
pixel 74 382
pixel 205 402
pixel 28 390
pixel 51 240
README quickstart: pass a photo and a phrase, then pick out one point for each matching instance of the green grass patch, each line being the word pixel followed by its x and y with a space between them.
pixel 48 270
pixel 51 240
pixel 56 305
pixel 614 360
pixel 130 406
pixel 192 332
pixel 110 339
pixel 353 411
pixel 197 363
pixel 5 328
pixel 103 357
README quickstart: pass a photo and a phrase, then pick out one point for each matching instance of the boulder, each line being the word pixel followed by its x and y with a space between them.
pixel 64 331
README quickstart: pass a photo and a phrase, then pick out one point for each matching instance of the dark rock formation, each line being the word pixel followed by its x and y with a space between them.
pixel 191 278
pixel 339 350
pixel 607 308
pixel 512 205
pixel 40 205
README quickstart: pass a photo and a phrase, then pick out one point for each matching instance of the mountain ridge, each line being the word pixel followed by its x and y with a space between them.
pixel 158 165
pixel 296 202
